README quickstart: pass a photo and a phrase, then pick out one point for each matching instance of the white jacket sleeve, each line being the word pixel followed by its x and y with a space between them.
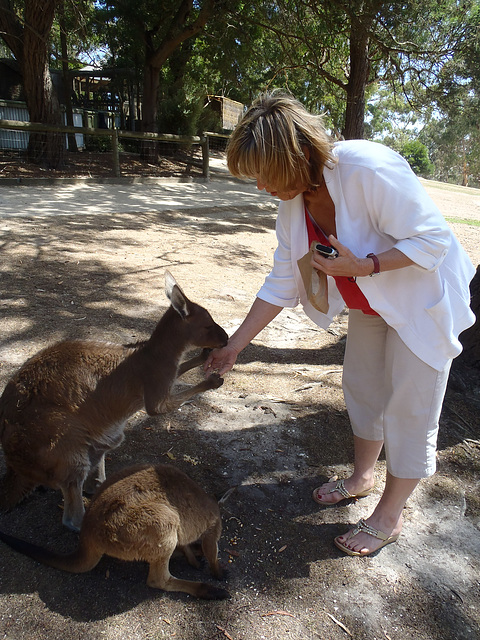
pixel 407 214
pixel 280 287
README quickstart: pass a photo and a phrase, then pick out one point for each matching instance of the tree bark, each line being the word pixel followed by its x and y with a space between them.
pixel 67 80
pixel 151 83
pixel 155 56
pixel 359 69
pixel 41 98
pixel 28 39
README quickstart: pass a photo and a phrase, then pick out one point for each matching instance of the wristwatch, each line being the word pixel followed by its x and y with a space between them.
pixel 376 264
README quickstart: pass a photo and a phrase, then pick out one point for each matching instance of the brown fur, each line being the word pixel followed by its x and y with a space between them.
pixel 144 513
pixel 69 404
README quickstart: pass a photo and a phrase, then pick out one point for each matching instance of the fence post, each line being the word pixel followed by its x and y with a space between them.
pixel 116 155
pixel 205 156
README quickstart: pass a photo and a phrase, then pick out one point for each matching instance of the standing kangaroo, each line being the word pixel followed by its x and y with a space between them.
pixel 69 404
pixel 144 513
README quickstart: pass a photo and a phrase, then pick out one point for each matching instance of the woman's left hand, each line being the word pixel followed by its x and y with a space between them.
pixel 345 264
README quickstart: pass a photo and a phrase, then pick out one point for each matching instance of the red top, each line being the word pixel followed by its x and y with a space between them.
pixel 349 289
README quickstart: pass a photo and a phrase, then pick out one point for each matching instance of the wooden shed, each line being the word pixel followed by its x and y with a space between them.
pixel 230 110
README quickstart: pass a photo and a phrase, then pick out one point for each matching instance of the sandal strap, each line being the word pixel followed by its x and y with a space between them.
pixel 366 528
pixel 340 487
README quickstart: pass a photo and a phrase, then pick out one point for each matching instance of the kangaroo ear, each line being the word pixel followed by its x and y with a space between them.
pixel 170 282
pixel 175 295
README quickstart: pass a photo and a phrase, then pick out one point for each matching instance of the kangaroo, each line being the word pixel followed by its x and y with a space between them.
pixel 69 404
pixel 144 513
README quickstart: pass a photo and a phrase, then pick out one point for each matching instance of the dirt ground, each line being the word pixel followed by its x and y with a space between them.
pixel 88 260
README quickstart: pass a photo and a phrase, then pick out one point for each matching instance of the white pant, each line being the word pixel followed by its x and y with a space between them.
pixel 392 395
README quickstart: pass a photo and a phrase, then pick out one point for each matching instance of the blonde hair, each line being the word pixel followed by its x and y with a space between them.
pixel 281 143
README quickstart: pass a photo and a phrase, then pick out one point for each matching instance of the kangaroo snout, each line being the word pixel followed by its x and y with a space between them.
pixel 216 341
pixel 222 340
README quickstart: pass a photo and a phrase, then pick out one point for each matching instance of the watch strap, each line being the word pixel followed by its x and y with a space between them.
pixel 376 264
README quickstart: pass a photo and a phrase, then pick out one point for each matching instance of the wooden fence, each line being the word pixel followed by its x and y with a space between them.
pixel 116 134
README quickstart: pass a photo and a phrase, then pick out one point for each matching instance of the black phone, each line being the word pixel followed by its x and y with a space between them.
pixel 326 252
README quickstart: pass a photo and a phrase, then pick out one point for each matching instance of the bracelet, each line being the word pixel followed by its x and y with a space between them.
pixel 376 264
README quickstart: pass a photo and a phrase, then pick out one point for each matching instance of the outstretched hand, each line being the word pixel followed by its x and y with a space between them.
pixel 220 360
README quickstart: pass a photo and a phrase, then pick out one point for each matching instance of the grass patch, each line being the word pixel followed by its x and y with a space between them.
pixel 448 186
pixel 474 223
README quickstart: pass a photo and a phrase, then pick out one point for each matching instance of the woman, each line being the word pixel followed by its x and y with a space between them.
pixel 362 199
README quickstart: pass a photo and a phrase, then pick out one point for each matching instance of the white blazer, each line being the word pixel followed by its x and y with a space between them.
pixel 380 204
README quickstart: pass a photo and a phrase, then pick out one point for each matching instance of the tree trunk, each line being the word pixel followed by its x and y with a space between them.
pixel 151 84
pixel 67 80
pixel 156 55
pixel 359 69
pixel 41 99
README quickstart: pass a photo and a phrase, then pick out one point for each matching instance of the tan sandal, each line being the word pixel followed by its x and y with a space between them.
pixel 362 526
pixel 340 487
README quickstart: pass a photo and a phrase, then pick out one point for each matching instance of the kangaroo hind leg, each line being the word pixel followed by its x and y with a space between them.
pixel 159 576
pixel 189 553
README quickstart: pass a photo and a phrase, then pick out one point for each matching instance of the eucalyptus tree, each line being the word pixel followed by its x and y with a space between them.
pixel 453 131
pixel 25 27
pixel 234 56
pixel 351 45
pixel 159 28
pixel 72 35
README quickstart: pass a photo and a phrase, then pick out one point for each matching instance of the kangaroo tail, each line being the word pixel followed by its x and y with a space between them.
pixel 79 561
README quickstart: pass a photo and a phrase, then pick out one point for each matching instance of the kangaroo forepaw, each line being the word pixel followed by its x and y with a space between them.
pixel 214 381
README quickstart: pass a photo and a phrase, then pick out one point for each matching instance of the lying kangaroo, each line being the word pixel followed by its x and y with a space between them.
pixel 144 513
pixel 69 404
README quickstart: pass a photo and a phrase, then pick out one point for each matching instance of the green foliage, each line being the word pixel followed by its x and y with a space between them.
pixel 178 114
pixel 98 144
pixel 416 154
pixel 420 87
pixel 453 134
pixel 330 53
pixel 81 30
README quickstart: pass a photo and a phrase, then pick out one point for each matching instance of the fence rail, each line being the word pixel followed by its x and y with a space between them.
pixel 116 134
